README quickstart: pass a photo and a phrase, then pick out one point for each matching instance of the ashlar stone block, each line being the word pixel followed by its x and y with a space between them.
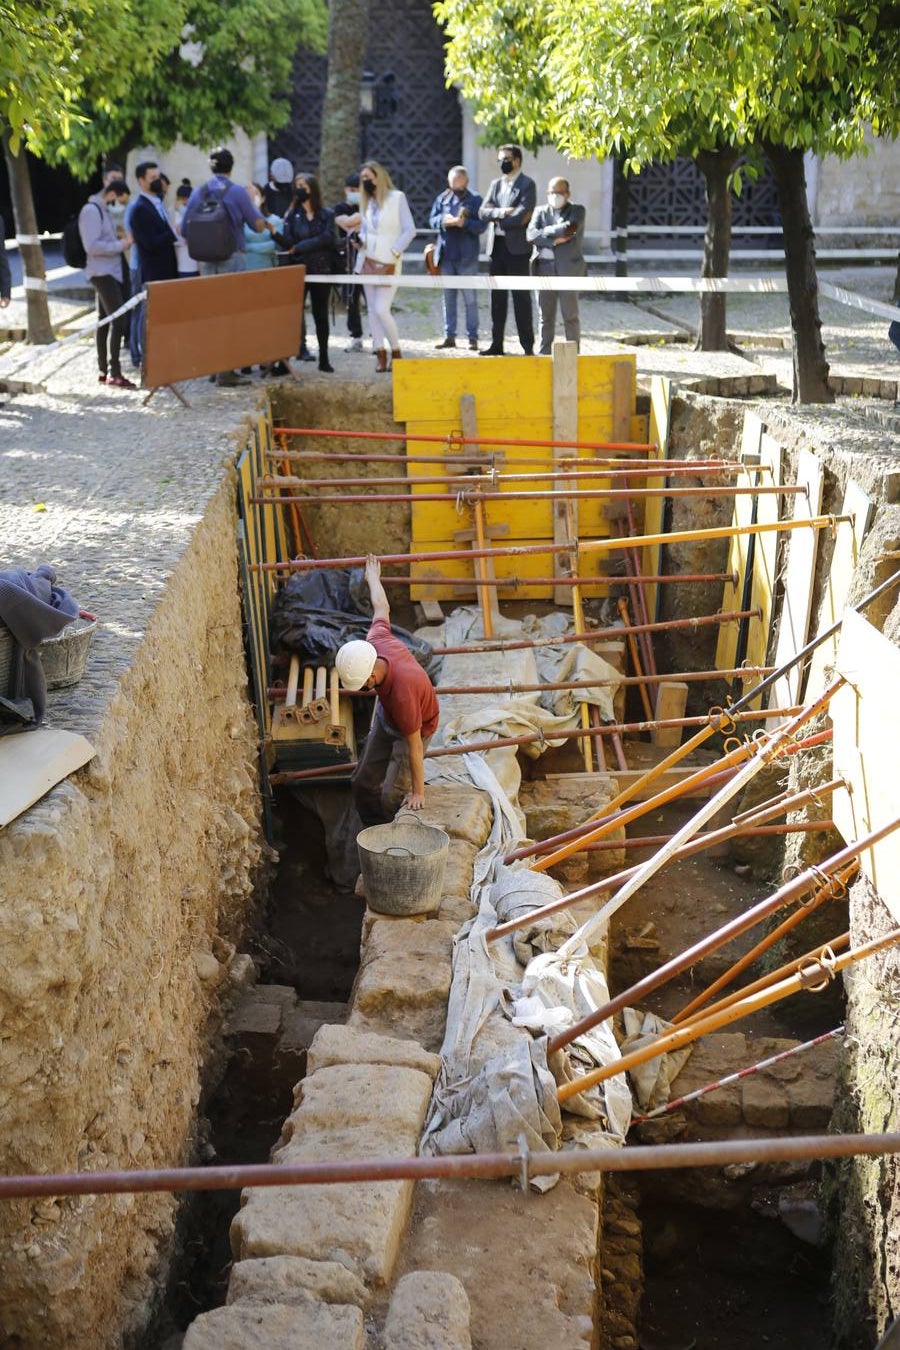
pixel 429 1310
pixel 307 1326
pixel 294 1279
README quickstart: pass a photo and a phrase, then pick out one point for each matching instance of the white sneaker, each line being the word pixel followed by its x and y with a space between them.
pixel 354 345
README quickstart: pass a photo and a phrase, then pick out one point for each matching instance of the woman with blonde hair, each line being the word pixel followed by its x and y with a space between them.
pixel 386 229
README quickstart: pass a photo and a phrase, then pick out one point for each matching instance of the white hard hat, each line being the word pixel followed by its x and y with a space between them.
pixel 355 662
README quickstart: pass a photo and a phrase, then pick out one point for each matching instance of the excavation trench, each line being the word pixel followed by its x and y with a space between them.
pixel 250 984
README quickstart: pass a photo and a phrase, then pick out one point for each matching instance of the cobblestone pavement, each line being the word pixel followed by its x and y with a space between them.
pixel 108 490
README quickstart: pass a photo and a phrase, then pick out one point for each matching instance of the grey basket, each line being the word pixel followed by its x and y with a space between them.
pixel 64 657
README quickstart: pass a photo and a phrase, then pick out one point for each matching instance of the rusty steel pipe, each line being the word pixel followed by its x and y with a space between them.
pixel 699 844
pixel 454 438
pixel 523 1165
pixel 653 467
pixel 474 479
pixel 598 580
pixel 638 841
pixel 276 692
pixel 578 546
pixel 598 634
pixel 549 495
pixel 787 893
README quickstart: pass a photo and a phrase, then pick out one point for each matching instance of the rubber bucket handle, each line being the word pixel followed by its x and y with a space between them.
pixel 398 851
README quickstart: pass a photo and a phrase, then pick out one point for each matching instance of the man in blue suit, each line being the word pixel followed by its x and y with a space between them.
pixel 149 224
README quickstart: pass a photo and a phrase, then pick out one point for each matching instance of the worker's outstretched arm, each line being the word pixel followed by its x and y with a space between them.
pixel 415 800
pixel 380 607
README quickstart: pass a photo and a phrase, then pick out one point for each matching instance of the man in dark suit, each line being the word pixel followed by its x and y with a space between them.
pixel 149 225
pixel 557 233
pixel 508 208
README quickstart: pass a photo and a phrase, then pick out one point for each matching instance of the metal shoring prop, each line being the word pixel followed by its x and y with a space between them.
pixel 474 480
pixel 619 447
pixel 525 550
pixel 835 887
pixel 681 751
pixel 477 495
pixel 593 634
pixel 814 977
pixel 798 886
pixel 766 750
pixel 701 842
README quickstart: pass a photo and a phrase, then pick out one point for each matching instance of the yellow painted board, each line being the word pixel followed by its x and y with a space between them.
pixel 430 390
pixel 867 749
pixel 521 566
pixel 765 558
pixel 799 572
pixel 751 437
pixel 844 557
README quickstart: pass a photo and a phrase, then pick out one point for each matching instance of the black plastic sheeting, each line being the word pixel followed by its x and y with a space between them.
pixel 315 613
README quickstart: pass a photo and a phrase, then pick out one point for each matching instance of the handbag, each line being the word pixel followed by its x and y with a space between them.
pixel 430 254
pixel 379 268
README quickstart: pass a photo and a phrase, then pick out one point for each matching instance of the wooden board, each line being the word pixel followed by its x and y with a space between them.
pixel 654 509
pixel 32 762
pixel 765 559
pixel 739 551
pixel 867 749
pixel 626 778
pixel 847 545
pixel 799 573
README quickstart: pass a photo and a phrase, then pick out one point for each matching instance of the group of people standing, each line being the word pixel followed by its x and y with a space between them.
pixel 286 221
pixel 522 238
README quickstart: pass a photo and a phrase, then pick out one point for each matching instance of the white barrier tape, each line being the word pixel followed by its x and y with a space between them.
pixel 612 285
pixel 34 283
pixel 28 238
pixel 8 371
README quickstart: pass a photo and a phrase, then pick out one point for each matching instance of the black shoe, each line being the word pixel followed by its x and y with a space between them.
pixel 246 370
pixel 305 355
pixel 447 342
pixel 279 368
pixel 327 367
pixel 228 380
pixel 493 351
pixel 528 351
pixel 473 344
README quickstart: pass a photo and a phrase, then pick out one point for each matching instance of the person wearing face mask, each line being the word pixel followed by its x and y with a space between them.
pixel 103 269
pixel 508 207
pixel 308 235
pixel 153 235
pixel 557 232
pixel 386 228
pixel 454 214
pixel 279 191
pixel 347 217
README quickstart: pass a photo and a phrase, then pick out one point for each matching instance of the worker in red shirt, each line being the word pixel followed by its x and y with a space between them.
pixel 406 710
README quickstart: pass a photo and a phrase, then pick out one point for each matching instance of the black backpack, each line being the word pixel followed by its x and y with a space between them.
pixel 209 231
pixel 72 246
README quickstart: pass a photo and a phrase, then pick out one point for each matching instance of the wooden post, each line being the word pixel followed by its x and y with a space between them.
pixel 487 595
pixel 671 697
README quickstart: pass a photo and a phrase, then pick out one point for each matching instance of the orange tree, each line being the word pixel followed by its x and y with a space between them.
pixel 652 79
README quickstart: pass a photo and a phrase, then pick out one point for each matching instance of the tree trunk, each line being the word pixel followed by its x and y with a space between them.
pixel 716 166
pixel 810 364
pixel 896 297
pixel 348 31
pixel 39 328
pixel 621 198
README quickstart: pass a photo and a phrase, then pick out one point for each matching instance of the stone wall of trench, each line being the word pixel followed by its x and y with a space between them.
pixel 120 892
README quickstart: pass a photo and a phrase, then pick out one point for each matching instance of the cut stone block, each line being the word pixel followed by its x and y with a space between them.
pixel 458 872
pixel 283 994
pixel 765 1104
pixel 294 1279
pixel 464 812
pixel 301 1023
pixel 308 1326
pixel 254 1018
pixel 553 806
pixel 404 980
pixel 343 1045
pixel 360 1227
pixel 811 1102
pixel 429 1310
pixel 358 1094
pixel 456 909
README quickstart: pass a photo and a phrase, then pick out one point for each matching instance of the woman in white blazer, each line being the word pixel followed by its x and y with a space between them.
pixel 386 229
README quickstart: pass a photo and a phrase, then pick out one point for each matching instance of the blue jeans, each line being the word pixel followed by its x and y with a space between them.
pixel 236 263
pixel 470 298
pixel 136 329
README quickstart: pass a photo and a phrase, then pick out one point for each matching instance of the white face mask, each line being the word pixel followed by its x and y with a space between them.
pixel 353 197
pixel 557 200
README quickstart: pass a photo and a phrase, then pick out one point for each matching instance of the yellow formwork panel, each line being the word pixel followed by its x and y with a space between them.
pixel 429 391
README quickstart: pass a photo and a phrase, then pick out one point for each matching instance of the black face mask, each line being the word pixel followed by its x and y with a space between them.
pixel 368 186
pixel 506 166
pixel 302 194
pixel 157 187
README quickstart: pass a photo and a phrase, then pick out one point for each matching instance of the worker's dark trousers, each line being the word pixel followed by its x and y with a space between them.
pixel 374 781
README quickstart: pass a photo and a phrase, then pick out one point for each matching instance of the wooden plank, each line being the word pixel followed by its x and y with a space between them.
pixel 671 700
pixel 867 749
pixel 565 428
pixel 739 551
pixel 33 762
pixel 660 420
pixel 487 595
pixel 765 559
pixel 623 399
pixel 799 573
pixel 844 557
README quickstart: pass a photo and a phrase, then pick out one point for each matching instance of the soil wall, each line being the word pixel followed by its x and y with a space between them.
pixel 119 892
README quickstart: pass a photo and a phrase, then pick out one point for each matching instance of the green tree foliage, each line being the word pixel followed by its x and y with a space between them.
pixel 651 79
pixel 228 66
